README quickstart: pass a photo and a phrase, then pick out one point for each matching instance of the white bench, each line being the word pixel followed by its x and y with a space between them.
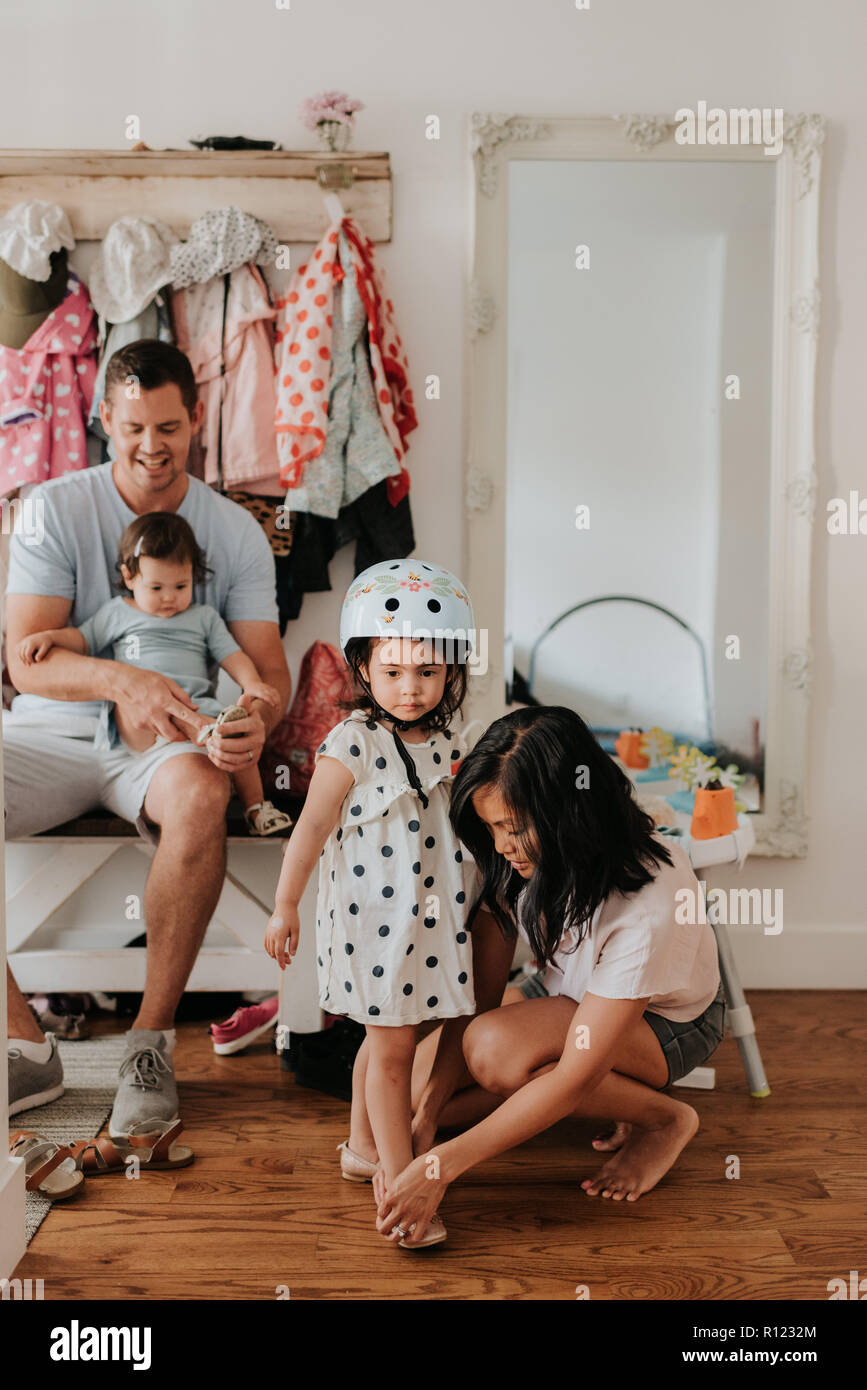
pixel 80 851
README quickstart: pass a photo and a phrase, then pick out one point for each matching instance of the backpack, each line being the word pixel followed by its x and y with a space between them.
pixel 288 756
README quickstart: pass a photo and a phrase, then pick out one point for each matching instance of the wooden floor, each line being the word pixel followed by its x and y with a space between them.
pixel 264 1204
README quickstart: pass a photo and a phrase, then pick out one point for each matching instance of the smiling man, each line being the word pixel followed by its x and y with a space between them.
pixel 176 794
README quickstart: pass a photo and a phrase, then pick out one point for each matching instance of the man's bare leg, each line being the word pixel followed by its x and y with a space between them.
pixel 20 1021
pixel 187 799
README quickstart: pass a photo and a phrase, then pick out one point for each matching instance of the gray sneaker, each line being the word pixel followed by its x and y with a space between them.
pixel 33 1083
pixel 147 1089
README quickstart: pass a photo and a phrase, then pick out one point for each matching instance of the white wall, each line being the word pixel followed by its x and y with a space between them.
pixel 74 72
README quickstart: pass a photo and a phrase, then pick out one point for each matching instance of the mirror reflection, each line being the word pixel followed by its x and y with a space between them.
pixel 639 443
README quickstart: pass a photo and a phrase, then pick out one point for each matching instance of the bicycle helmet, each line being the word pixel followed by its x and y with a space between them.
pixel 408 599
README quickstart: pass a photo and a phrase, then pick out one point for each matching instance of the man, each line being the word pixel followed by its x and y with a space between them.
pixel 175 793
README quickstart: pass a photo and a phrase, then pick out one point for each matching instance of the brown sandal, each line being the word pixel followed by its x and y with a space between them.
pixel 47 1177
pixel 151 1145
pixel 93 1157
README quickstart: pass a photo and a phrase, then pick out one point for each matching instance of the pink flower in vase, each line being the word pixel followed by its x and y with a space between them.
pixel 331 115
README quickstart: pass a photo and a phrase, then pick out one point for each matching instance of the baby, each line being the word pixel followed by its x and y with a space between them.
pixel 161 629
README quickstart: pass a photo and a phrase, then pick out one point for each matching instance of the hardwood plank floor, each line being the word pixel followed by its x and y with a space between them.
pixel 264 1206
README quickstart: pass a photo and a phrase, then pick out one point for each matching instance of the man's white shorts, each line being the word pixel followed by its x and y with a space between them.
pixel 52 773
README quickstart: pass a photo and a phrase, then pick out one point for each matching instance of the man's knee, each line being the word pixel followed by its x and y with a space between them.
pixel 483 1053
pixel 189 793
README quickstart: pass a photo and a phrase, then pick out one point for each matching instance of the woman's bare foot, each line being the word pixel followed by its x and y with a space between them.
pixel 616 1139
pixel 645 1157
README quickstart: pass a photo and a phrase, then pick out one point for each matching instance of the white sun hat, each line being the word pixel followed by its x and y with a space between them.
pixel 220 241
pixel 29 233
pixel 133 265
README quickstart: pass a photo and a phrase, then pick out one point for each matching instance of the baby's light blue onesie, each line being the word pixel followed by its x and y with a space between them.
pixel 188 648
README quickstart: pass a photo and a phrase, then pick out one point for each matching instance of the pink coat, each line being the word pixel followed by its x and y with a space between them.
pixel 46 389
pixel 249 450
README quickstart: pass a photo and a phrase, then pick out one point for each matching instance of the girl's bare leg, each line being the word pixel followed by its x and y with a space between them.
pixel 361 1139
pixel 387 1091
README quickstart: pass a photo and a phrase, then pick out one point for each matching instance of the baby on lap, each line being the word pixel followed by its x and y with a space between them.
pixel 158 626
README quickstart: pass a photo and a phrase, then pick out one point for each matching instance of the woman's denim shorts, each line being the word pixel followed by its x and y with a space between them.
pixel 685 1045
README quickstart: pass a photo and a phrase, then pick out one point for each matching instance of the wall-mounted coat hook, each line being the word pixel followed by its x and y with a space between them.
pixel 335 176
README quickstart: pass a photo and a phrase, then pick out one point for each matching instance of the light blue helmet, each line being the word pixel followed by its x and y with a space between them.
pixel 408 598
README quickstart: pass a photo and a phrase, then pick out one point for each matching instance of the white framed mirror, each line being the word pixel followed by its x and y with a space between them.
pixel 640 476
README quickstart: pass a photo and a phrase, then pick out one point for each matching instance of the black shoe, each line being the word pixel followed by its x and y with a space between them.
pixel 324 1061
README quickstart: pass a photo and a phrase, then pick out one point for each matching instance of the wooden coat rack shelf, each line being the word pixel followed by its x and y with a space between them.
pixel 95 187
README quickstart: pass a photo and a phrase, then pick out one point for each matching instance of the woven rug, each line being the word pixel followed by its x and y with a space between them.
pixel 90 1077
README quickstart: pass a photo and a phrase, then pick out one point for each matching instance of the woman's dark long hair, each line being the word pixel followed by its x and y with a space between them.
pixel 569 797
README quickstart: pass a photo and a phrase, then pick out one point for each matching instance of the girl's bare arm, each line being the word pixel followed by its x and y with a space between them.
pixel 329 786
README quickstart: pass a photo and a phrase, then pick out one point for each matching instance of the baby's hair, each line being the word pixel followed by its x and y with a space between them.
pixel 358 652
pixel 160 536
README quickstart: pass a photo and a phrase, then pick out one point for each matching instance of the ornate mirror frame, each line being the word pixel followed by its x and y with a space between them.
pixel 495 140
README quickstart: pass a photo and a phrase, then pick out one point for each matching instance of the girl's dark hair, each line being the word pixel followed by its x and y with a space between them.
pixel 358 652
pixel 566 794
pixel 163 536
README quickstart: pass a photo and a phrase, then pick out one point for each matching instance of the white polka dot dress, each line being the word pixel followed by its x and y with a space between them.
pixel 395 885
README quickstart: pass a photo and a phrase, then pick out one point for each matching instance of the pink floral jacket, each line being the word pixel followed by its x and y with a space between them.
pixel 45 392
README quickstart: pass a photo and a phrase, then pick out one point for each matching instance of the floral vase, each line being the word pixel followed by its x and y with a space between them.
pixel 334 136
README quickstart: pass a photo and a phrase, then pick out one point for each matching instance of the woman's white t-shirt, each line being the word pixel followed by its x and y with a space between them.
pixel 636 947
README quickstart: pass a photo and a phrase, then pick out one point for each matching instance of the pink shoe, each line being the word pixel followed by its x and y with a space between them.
pixel 246 1024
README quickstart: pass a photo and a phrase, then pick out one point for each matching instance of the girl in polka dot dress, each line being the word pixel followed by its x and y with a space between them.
pixel 395 884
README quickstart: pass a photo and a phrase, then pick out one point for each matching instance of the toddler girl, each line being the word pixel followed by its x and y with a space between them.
pixel 160 629
pixel 395 885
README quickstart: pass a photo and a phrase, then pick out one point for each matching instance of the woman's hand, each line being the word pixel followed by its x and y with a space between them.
pixel 412 1199
pixel 283 927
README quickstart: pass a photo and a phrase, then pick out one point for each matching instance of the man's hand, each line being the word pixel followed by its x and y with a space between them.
pixel 149 700
pixel 231 750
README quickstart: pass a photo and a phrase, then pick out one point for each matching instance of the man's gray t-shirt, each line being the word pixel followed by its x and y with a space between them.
pixel 84 517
